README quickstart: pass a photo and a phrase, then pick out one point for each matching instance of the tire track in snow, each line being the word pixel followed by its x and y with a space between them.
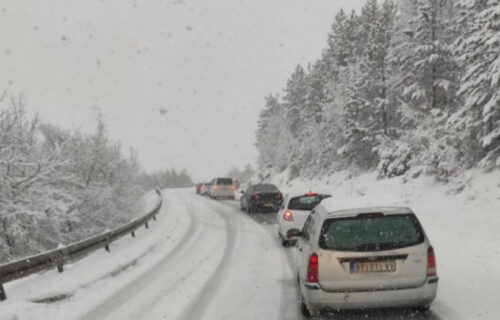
pixel 197 307
pixel 128 291
pixel 290 295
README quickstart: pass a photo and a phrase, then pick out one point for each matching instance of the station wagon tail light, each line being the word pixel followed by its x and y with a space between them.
pixel 215 188
pixel 431 263
pixel 287 215
pixel 312 268
pixel 279 195
pixel 255 196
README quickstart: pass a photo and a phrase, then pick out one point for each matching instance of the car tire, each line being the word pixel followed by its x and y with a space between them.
pixel 249 208
pixel 423 308
pixel 303 308
pixel 285 243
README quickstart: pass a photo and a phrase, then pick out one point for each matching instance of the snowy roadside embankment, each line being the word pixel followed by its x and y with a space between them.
pixel 463 228
pixel 37 296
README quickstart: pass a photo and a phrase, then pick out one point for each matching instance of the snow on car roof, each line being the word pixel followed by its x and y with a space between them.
pixel 348 206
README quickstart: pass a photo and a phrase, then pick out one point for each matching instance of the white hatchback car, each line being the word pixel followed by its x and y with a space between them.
pixel 374 257
pixel 294 213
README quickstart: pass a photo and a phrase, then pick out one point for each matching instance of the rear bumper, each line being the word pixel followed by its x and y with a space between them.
pixel 266 204
pixel 223 194
pixel 319 299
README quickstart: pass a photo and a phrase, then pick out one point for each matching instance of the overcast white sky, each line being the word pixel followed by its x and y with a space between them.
pixel 182 82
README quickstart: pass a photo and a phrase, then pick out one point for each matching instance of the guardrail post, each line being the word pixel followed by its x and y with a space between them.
pixel 3 295
pixel 106 246
pixel 60 267
pixel 133 233
pixel 146 225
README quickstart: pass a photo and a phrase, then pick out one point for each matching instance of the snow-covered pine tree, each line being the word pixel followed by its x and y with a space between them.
pixel 274 139
pixel 478 48
pixel 425 81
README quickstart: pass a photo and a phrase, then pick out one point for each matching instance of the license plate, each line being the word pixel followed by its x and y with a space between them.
pixel 268 205
pixel 373 266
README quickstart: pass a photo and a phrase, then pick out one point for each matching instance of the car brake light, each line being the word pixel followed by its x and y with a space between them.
pixel 255 196
pixel 233 187
pixel 370 215
pixel 279 195
pixel 312 269
pixel 215 188
pixel 431 263
pixel 311 194
pixel 287 215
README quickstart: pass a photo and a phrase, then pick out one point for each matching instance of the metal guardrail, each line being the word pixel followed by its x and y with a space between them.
pixel 60 256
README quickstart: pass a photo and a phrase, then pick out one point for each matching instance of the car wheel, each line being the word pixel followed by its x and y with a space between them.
pixel 285 243
pixel 303 308
pixel 422 308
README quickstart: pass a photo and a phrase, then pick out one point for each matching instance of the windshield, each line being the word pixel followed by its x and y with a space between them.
pixel 371 234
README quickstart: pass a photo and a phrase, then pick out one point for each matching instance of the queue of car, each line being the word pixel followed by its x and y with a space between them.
pixel 349 256
pixel 218 188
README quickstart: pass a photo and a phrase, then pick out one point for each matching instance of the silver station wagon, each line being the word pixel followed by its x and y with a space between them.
pixel 374 257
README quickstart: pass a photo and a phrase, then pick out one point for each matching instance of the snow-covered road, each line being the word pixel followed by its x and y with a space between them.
pixel 202 259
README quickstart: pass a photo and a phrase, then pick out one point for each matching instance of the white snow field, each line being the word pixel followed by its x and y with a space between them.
pixel 205 259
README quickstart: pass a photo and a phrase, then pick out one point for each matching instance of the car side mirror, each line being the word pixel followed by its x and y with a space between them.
pixel 293 233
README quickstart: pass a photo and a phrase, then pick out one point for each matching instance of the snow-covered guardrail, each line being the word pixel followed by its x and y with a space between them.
pixel 58 257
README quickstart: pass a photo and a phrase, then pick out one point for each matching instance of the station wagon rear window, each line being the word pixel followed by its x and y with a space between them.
pixel 371 233
pixel 225 181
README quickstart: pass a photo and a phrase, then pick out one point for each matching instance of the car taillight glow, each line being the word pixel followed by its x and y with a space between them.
pixel 233 187
pixel 255 196
pixel 287 215
pixel 311 194
pixel 312 269
pixel 431 263
pixel 279 196
pixel 215 188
